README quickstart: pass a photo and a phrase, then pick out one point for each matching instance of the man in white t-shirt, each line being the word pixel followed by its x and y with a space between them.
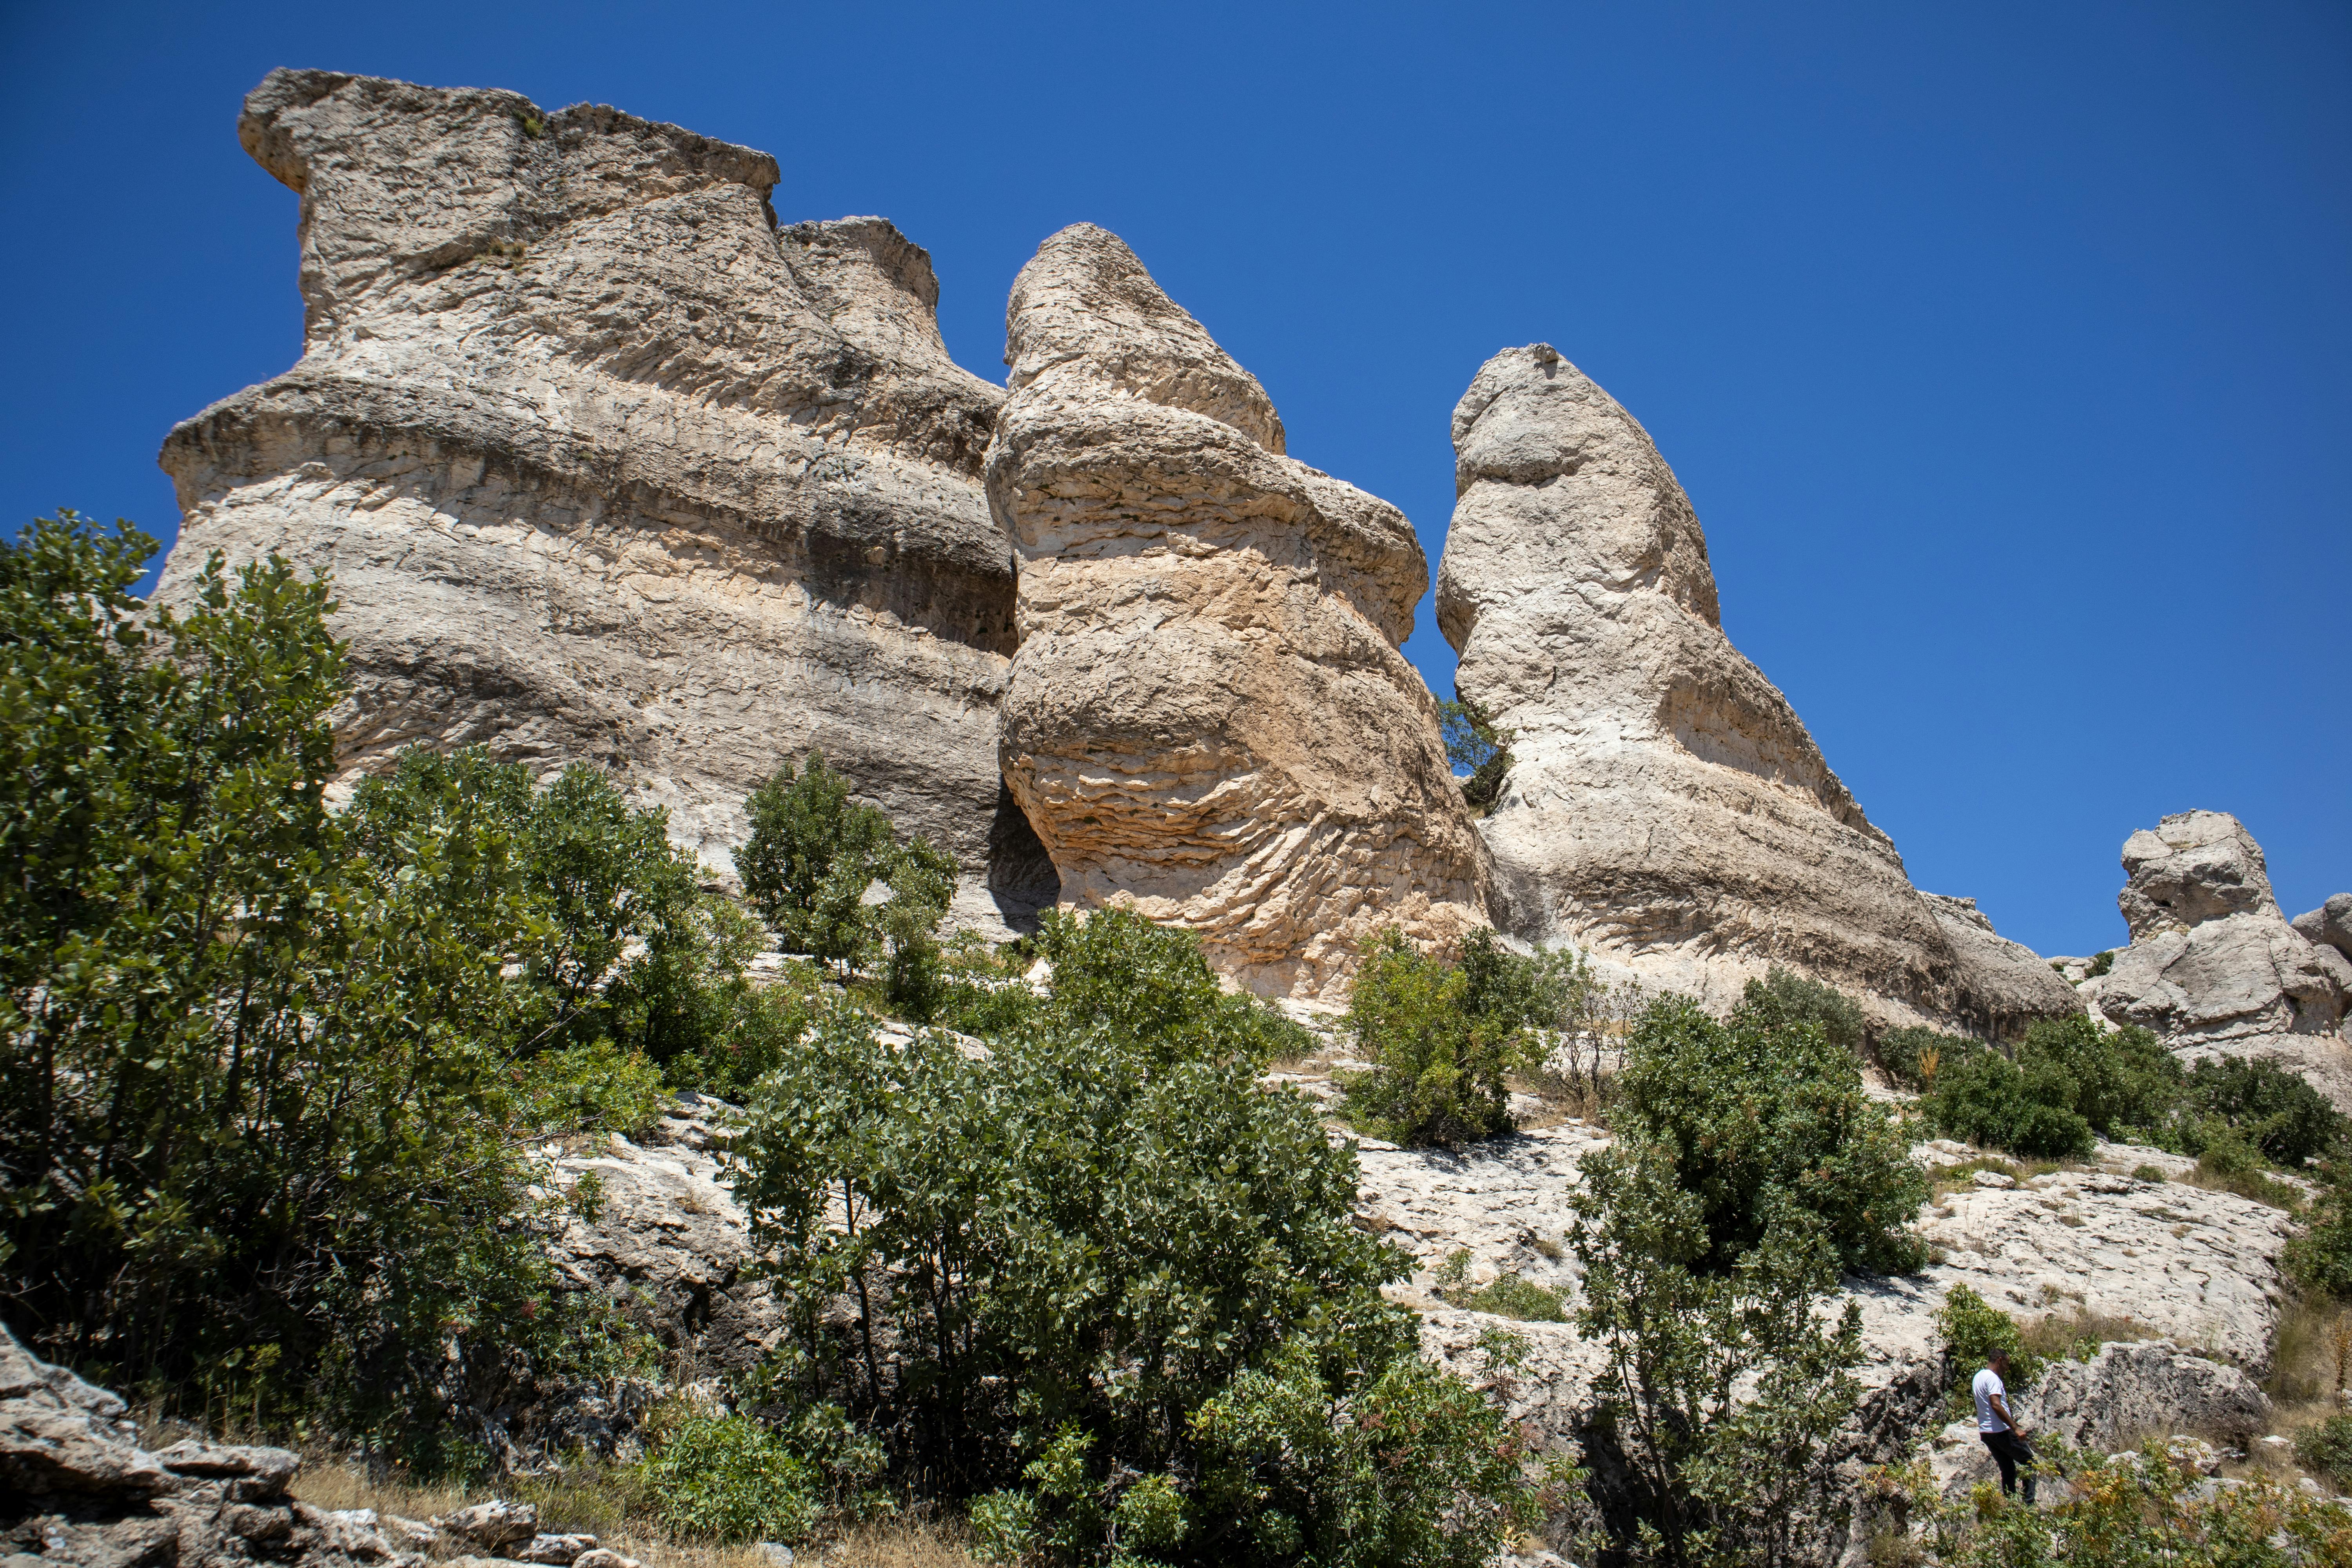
pixel 1998 1428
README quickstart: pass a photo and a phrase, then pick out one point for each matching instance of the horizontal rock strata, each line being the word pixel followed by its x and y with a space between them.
pixel 1209 717
pixel 607 467
pixel 1667 807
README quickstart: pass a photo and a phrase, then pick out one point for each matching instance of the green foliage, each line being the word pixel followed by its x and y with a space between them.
pixel 1476 747
pixel 729 1478
pixel 2271 1106
pixel 2101 964
pixel 266 1073
pixel 2147 1174
pixel 2071 1084
pixel 807 867
pixel 1507 1295
pixel 1915 1057
pixel 2321 1257
pixel 1766 1123
pixel 1442 1036
pixel 1722 1385
pixel 1784 999
pixel 1046 1265
pixel 2327 1448
pixel 1973 1328
pixel 2145 1510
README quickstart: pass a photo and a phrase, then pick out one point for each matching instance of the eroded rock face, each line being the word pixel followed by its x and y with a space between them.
pixel 1209 717
pixel 2129 1392
pixel 2330 925
pixel 606 468
pixel 78 1491
pixel 2213 963
pixel 1667 808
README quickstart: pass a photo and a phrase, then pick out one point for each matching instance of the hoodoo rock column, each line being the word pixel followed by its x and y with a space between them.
pixel 1209 717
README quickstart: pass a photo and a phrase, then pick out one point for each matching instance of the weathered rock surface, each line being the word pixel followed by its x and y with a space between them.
pixel 2129 1392
pixel 1209 717
pixel 78 1491
pixel 607 467
pixel 669 1241
pixel 1666 808
pixel 2329 925
pixel 2214 965
pixel 2003 982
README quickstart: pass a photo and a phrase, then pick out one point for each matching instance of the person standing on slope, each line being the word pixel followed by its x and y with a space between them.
pixel 1998 1428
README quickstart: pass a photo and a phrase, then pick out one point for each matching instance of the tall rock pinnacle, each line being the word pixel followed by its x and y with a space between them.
pixel 1667 807
pixel 1209 717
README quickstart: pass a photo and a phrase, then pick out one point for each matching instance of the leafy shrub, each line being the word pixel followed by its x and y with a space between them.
pixel 1476 747
pixel 812 855
pixel 1989 1099
pixel 266 1071
pixel 2132 1511
pixel 1438 1067
pixel 1766 1123
pixel 1722 1387
pixel 2146 1173
pixel 2101 964
pixel 1507 1295
pixel 2327 1449
pixel 1973 1328
pixel 2123 1082
pixel 2321 1257
pixel 730 1479
pixel 2271 1106
pixel 1102 1260
pixel 1784 999
pixel 1916 1056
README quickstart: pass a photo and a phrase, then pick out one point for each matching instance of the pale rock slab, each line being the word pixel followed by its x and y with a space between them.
pixel 1667 809
pixel 2213 965
pixel 2329 925
pixel 606 468
pixel 1209 718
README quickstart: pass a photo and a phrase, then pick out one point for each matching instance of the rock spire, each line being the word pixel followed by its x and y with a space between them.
pixel 1209 716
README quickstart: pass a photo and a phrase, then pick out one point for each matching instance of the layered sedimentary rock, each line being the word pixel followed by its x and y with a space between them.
pixel 2213 963
pixel 2003 986
pixel 1209 717
pixel 607 467
pixel 1666 806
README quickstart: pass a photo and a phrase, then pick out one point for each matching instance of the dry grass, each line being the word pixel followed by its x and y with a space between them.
pixel 2254 1184
pixel 604 1502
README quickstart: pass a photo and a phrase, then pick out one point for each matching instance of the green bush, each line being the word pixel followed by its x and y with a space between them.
pixel 729 1478
pixel 1916 1057
pixel 1973 1328
pixel 1782 999
pixel 1766 1123
pixel 812 855
pixel 2326 1449
pixel 1988 1099
pixel 268 1073
pixel 1077 1250
pixel 2271 1106
pixel 1438 1068
pixel 1507 1295
pixel 2321 1257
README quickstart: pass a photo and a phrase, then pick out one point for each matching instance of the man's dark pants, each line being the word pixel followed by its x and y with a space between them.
pixel 2009 1452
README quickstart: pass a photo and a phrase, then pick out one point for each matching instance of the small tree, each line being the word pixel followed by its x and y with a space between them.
pixel 1723 1387
pixel 1475 746
pixel 811 860
pixel 1437 1074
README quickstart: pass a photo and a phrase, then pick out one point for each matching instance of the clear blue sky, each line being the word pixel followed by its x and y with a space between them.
pixel 2006 350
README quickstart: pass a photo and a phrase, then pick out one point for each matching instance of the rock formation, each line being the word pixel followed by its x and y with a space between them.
pixel 2129 1392
pixel 1667 807
pixel 608 467
pixel 2330 925
pixel 2213 963
pixel 1209 716
pixel 78 1491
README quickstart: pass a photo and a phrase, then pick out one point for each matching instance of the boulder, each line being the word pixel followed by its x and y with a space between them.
pixel 2130 1392
pixel 607 467
pixel 2213 963
pixel 1210 718
pixel 1666 807
pixel 495 1523
pixel 2330 925
pixel 78 1491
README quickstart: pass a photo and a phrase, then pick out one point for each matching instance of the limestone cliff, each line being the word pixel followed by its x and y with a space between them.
pixel 1667 807
pixel 607 467
pixel 1209 716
